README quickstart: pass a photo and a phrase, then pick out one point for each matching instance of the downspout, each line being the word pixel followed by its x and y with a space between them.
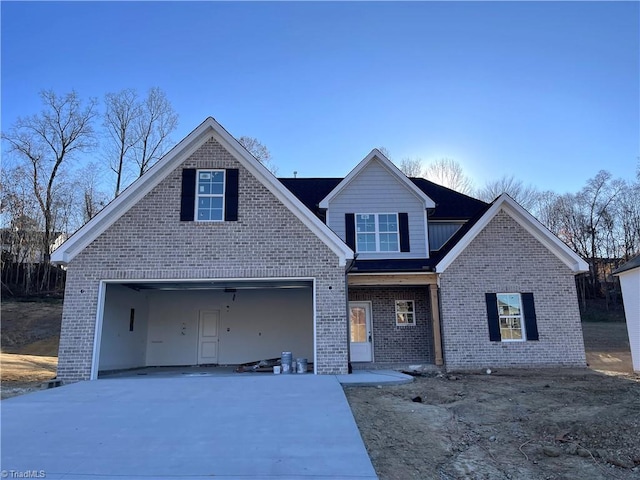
pixel 346 295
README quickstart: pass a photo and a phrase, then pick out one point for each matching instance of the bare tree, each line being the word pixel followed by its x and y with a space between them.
pixel 44 142
pixel 411 167
pixel 627 229
pixel 525 195
pixel 122 110
pixel 259 151
pixel 156 121
pixel 92 196
pixel 448 173
pixel 385 152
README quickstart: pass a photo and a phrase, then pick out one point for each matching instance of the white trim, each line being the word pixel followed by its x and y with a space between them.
pixel 427 248
pixel 375 154
pixel 395 302
pixel 167 164
pixel 97 334
pixel 369 310
pixel 505 203
pixel 315 338
pixel 377 231
pixel 523 329
pixel 102 294
pixel 210 195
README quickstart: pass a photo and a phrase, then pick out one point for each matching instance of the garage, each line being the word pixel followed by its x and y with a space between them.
pixel 211 322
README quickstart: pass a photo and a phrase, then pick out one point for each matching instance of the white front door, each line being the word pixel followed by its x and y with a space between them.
pixel 360 330
pixel 208 337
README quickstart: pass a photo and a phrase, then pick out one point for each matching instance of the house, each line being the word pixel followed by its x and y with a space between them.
pixel 210 259
pixel 629 275
pixel 24 246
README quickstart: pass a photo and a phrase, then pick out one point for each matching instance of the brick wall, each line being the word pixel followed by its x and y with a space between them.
pixel 150 242
pixel 505 258
pixel 392 343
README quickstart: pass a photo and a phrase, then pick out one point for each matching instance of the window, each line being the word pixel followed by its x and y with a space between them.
pixel 510 317
pixel 405 312
pixel 210 195
pixel 377 232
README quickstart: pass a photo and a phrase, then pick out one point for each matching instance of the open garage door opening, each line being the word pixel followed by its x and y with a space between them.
pixel 213 322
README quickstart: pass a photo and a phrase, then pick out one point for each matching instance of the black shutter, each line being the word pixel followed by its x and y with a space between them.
pixel 530 321
pixel 231 195
pixel 188 195
pixel 350 230
pixel 492 317
pixel 403 224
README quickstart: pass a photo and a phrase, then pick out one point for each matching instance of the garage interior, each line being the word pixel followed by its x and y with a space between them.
pixel 166 324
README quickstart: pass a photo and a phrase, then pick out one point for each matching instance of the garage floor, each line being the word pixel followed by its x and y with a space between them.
pixel 199 426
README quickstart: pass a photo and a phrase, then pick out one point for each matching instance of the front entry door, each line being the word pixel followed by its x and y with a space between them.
pixel 360 328
pixel 208 337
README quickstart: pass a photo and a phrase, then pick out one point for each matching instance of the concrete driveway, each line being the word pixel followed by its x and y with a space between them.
pixel 286 426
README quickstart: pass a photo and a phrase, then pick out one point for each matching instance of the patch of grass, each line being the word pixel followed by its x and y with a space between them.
pixel 596 310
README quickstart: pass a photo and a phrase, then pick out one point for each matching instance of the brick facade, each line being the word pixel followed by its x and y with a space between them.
pixel 505 258
pixel 150 242
pixel 398 344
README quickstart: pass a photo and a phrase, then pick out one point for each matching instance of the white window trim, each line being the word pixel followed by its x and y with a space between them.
pixel 211 195
pixel 413 324
pixel 521 317
pixel 377 232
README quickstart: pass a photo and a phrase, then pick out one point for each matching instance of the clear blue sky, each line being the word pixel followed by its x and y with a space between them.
pixel 545 91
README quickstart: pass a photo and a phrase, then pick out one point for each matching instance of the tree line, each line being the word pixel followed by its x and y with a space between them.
pixel 65 163
pixel 601 222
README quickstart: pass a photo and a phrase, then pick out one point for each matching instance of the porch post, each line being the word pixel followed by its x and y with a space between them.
pixel 435 320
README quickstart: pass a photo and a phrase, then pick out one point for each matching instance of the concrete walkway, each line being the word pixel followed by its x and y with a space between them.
pixel 253 427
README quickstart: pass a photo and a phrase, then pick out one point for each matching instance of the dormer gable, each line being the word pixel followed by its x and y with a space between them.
pixel 377 156
pixel 379 212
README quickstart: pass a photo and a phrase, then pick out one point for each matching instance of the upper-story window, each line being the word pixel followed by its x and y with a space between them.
pixel 210 195
pixel 377 232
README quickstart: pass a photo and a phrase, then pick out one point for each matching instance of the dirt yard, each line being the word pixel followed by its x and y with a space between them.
pixel 516 424
pixel 30 337
pixel 511 424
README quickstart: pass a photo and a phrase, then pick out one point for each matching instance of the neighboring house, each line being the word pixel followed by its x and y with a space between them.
pixel 629 275
pixel 25 246
pixel 210 259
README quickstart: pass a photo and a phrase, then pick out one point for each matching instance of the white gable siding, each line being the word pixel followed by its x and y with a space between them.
pixel 375 190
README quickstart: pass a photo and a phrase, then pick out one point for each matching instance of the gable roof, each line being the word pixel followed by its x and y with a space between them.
pixel 376 155
pixel 167 164
pixel 461 240
pixel 630 265
pixel 450 205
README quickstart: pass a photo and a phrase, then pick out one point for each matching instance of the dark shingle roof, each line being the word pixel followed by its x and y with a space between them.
pixel 450 205
pixel 630 265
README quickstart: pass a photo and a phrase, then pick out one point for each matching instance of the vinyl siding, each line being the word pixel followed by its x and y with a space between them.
pixel 375 190
pixel 440 232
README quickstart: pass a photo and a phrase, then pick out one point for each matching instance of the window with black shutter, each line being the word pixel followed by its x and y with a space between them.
pixel 209 195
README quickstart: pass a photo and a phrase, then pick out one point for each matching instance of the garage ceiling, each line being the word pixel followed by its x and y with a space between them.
pixel 227 285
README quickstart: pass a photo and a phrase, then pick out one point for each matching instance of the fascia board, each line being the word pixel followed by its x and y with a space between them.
pixel 143 185
pixel 390 167
pixel 529 223
pixel 285 196
pixel 130 196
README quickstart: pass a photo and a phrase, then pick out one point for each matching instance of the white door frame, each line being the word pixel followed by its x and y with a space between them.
pixel 102 293
pixel 369 324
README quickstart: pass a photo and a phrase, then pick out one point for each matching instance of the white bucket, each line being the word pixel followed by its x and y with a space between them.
pixel 276 370
pixel 302 365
